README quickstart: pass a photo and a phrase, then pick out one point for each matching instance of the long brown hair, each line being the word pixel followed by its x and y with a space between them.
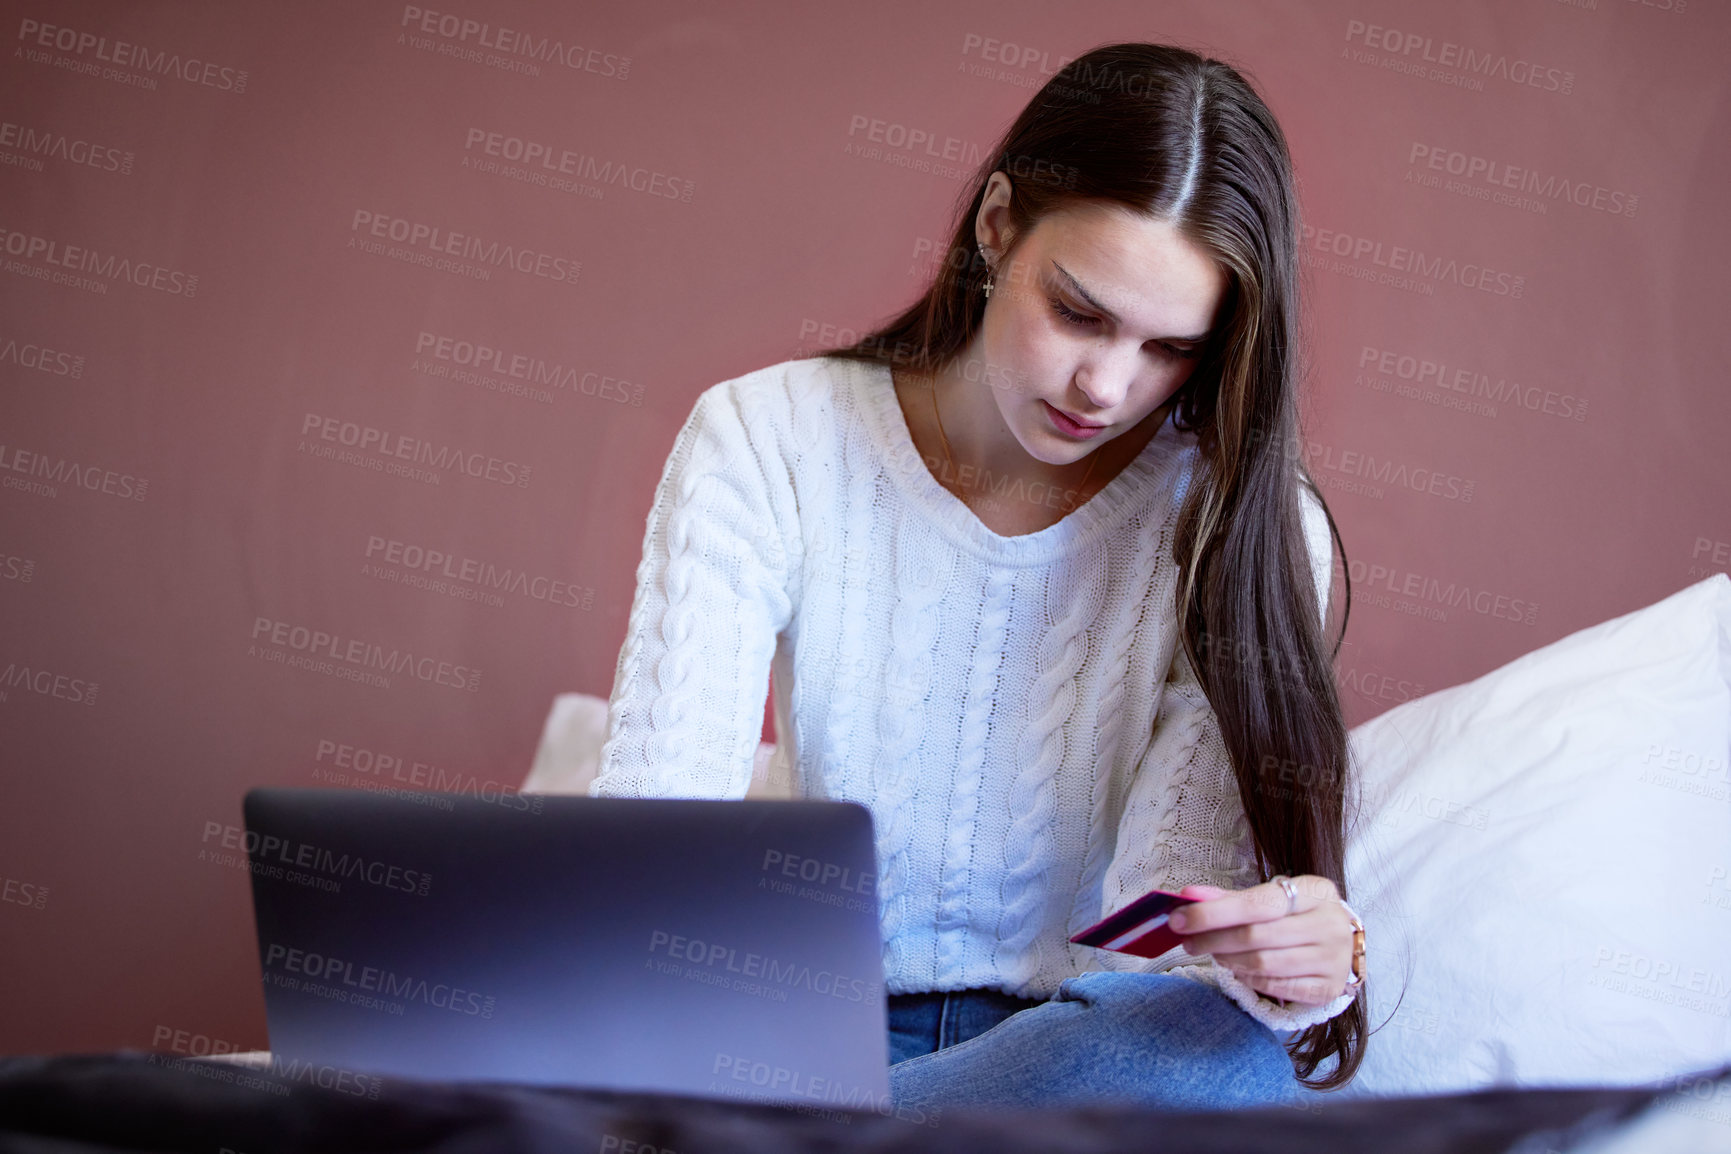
pixel 1186 139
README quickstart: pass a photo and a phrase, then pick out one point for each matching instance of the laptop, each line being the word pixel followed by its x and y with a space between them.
pixel 718 949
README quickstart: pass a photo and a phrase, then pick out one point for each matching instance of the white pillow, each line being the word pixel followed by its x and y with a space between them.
pixel 1543 856
pixel 570 749
pixel 569 753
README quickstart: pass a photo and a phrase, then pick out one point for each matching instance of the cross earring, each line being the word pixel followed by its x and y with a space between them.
pixel 982 249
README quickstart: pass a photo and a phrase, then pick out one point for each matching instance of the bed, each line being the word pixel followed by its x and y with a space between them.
pixel 1543 856
pixel 84 1104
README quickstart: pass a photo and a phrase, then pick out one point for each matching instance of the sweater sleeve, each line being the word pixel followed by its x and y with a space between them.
pixel 686 710
pixel 1183 821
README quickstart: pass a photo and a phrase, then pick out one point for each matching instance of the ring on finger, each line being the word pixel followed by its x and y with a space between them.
pixel 1291 889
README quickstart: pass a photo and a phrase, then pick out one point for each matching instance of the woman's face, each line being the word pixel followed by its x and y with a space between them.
pixel 1098 318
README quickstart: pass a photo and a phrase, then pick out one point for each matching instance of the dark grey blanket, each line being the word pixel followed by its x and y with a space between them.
pixel 76 1104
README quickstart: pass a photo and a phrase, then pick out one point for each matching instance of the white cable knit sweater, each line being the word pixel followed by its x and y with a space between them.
pixel 1016 712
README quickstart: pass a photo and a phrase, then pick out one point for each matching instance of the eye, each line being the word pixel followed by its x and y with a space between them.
pixel 1072 315
pixel 1085 321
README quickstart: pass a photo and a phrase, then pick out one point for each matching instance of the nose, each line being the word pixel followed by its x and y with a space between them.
pixel 1104 378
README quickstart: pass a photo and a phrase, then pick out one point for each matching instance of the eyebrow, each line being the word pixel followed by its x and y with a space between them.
pixel 1076 287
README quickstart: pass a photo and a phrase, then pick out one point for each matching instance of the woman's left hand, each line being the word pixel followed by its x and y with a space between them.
pixel 1303 956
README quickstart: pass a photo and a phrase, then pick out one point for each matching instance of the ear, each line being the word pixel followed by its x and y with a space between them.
pixel 992 228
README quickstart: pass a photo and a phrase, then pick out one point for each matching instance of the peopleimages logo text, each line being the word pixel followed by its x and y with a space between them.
pixel 368 438
pixel 356 652
pixel 730 959
pixel 109 266
pixel 437 239
pixel 268 848
pixel 129 55
pixel 377 980
pixel 514 42
pixel 1470 60
pixel 65 471
pixel 1414 262
pixel 59 146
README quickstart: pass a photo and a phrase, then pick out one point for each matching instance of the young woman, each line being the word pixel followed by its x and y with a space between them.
pixel 1042 582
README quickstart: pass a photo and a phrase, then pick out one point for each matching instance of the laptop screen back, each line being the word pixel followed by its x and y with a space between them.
pixel 712 948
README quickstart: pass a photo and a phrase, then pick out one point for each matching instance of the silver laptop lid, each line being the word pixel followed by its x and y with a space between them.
pixel 725 949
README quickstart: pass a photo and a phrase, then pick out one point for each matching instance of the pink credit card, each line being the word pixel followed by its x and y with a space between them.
pixel 1139 928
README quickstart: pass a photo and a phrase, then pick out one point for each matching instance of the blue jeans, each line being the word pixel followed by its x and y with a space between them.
pixel 1106 1038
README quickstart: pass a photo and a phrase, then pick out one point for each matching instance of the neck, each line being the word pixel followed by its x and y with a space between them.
pixel 964 414
pixel 972 433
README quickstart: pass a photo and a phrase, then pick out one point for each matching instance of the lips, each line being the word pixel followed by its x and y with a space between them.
pixel 1073 420
pixel 1068 424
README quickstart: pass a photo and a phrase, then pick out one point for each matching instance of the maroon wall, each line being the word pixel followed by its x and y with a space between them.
pixel 227 243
